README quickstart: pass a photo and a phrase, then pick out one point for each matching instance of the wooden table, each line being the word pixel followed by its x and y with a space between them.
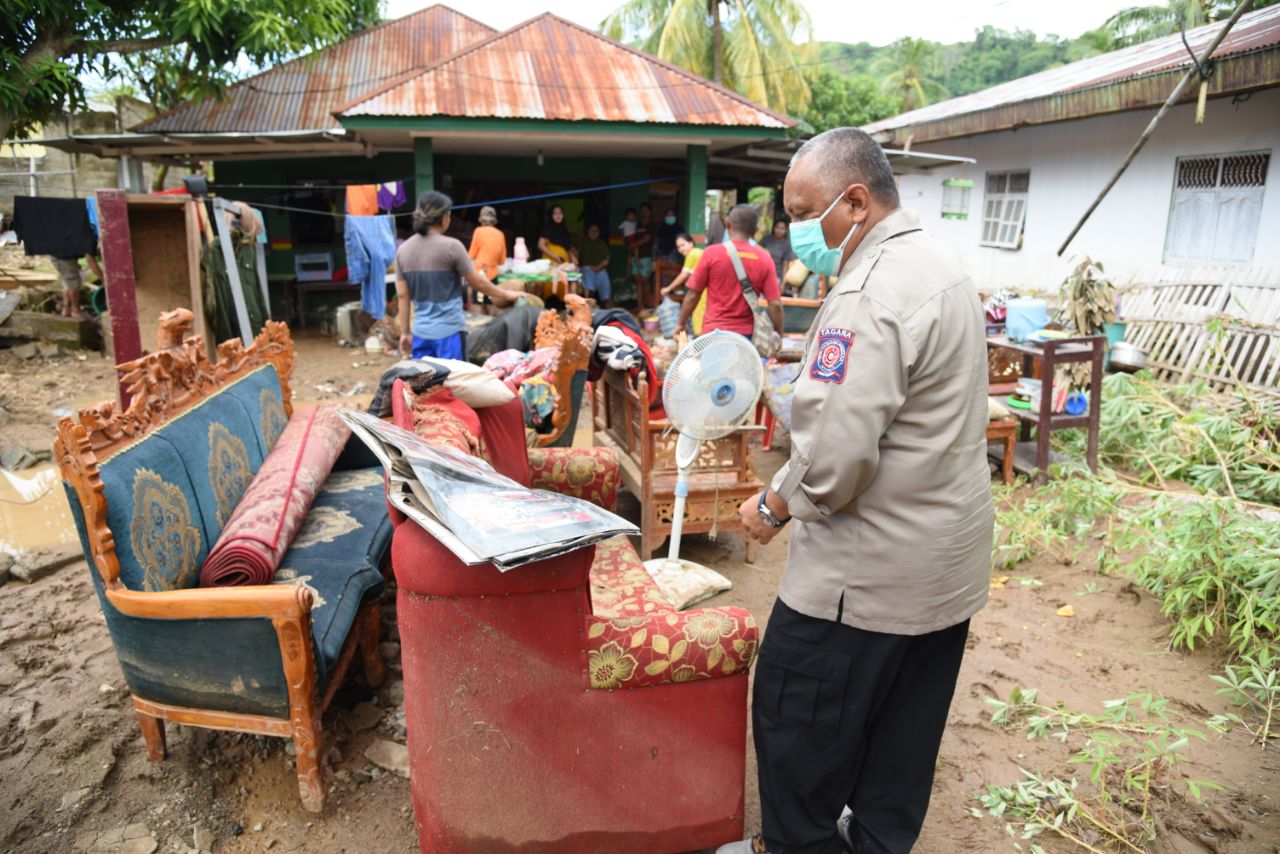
pixel 296 293
pixel 1051 354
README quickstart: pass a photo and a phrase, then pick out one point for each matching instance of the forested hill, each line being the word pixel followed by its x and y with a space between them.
pixel 994 56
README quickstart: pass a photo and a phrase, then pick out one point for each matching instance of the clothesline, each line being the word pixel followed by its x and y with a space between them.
pixel 494 202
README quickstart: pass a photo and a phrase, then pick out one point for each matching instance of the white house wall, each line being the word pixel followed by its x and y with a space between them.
pixel 1070 162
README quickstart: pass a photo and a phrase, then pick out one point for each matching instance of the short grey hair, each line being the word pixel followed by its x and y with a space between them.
pixel 744 219
pixel 850 156
pixel 488 216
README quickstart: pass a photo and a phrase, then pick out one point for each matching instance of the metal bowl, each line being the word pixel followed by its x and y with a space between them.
pixel 1128 358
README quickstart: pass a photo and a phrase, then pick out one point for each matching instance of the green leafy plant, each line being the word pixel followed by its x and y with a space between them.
pixel 1049 519
pixel 1218 444
pixel 1214 566
pixel 1129 750
pixel 1254 685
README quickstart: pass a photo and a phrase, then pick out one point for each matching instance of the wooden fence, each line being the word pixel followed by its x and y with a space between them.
pixel 1218 324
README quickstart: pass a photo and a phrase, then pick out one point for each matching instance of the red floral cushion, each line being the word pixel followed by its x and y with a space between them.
pixel 441 418
pixel 635 638
pixel 587 473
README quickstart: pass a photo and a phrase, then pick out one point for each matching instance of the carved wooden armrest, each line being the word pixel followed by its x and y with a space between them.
pixel 268 601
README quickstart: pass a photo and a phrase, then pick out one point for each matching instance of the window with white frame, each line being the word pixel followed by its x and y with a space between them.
pixel 1004 211
pixel 955 198
pixel 1215 208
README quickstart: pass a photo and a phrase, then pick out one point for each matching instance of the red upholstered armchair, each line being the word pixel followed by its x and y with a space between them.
pixel 564 706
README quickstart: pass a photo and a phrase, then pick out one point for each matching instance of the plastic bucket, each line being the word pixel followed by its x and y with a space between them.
pixel 1025 315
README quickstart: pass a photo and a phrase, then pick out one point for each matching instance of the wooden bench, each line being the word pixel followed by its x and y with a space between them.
pixel 722 477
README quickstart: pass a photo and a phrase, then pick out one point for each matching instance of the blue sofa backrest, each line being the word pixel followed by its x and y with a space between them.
pixel 170 494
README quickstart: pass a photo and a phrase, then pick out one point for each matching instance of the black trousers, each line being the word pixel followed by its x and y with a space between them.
pixel 846 716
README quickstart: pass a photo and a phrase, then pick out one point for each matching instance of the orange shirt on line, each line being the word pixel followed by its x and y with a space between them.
pixel 488 250
pixel 362 199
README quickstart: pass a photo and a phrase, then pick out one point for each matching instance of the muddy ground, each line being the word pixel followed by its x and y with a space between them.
pixel 74 774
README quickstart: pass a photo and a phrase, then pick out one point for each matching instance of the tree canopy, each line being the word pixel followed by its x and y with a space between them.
pixel 46 45
pixel 1138 24
pixel 759 48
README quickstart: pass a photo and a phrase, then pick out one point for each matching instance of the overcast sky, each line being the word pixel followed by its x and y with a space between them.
pixel 844 20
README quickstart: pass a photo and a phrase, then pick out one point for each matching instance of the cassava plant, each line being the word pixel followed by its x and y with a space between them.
pixel 1130 750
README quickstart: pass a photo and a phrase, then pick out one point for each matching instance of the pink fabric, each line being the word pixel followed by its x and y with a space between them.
pixel 273 508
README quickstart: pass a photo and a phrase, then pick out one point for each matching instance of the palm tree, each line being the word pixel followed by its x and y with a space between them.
pixel 907 73
pixel 757 48
pixel 1138 24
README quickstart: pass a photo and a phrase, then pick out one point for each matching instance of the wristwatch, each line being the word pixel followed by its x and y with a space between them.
pixel 766 515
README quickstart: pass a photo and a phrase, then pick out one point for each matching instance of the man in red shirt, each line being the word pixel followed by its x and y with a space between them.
pixel 727 306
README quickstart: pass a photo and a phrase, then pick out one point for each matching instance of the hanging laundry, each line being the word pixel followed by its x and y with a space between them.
pixel 391 195
pixel 262 225
pixel 57 227
pixel 219 303
pixel 91 206
pixel 362 200
pixel 371 247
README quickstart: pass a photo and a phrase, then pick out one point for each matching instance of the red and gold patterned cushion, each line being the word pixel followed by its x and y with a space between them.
pixel 587 473
pixel 635 652
pixel 635 638
pixel 441 418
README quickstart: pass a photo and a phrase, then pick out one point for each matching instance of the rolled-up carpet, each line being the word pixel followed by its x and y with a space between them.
pixel 274 506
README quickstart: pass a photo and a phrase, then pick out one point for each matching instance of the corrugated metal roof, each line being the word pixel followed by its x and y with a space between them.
pixel 1255 31
pixel 550 68
pixel 302 94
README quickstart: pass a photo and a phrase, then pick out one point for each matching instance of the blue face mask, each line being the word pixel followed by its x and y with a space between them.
pixel 669 220
pixel 810 246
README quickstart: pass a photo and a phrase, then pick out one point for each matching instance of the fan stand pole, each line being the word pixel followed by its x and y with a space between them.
pixel 686 453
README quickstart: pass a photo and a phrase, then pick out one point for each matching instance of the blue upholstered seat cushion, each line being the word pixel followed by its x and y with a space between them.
pixel 337 554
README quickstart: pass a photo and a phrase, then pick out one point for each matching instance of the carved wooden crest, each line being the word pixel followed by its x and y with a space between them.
pixel 572 335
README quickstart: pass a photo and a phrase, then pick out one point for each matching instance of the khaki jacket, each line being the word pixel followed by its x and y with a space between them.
pixel 888 479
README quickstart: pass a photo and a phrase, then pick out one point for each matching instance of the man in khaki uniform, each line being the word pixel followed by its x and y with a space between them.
pixel 890 495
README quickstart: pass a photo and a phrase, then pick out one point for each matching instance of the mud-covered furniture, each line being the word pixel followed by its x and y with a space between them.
pixel 563 706
pixel 150 488
pixel 722 476
pixel 571 335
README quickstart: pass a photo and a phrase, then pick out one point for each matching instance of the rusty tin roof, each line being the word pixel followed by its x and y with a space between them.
pixel 1132 78
pixel 549 68
pixel 303 93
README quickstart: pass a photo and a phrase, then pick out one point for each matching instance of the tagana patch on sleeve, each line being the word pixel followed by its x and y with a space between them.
pixel 832 356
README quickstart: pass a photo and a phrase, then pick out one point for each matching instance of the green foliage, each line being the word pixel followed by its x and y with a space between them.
pixel 844 100
pixel 1183 433
pixel 1138 24
pixel 993 56
pixel 1215 569
pixel 1050 519
pixel 908 73
pixel 1129 750
pixel 1254 685
pixel 46 44
pixel 758 48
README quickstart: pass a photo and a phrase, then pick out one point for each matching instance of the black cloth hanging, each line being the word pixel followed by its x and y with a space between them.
pixel 57 227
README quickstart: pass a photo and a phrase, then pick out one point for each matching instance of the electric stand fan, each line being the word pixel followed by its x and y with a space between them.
pixel 710 390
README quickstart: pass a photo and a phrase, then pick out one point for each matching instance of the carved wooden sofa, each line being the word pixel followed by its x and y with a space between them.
pixel 150 489
pixel 721 479
pixel 572 335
